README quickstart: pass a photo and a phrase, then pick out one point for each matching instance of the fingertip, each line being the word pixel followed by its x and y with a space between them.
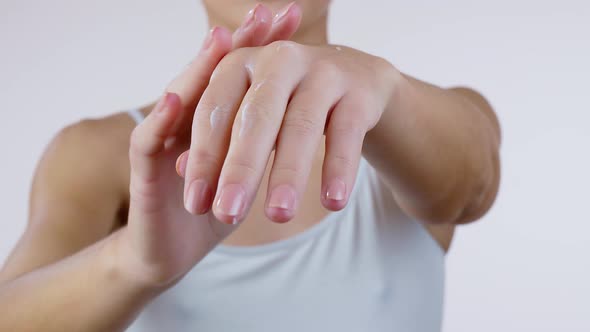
pixel 278 215
pixel 291 11
pixel 285 23
pixel 223 37
pixel 218 40
pixel 293 19
pixel 263 14
pixel 335 195
pixel 293 22
pixel 296 14
pixel 161 119
pixel 333 205
pixel 256 30
pixel 172 100
pixel 181 164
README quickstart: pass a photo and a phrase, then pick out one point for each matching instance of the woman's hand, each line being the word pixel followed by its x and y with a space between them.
pixel 289 95
pixel 162 240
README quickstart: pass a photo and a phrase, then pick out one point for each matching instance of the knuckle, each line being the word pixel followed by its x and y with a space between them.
pixel 286 45
pixel 343 161
pixel 283 49
pixel 258 110
pixel 268 84
pixel 234 58
pixel 209 107
pixel 143 191
pixel 230 64
pixel 327 70
pixel 205 106
pixel 204 158
pixel 243 167
pixel 347 128
pixel 364 100
pixel 303 123
pixel 242 53
pixel 134 138
pixel 347 125
pixel 381 65
pixel 288 170
pixel 383 70
pixel 359 109
pixel 137 141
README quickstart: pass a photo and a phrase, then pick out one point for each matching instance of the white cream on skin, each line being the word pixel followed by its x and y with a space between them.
pixel 247 119
pixel 217 117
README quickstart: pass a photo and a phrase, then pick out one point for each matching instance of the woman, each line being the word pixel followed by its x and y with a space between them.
pixel 128 229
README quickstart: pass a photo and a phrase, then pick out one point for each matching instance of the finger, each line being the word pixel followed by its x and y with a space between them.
pixel 285 23
pixel 148 138
pixel 256 25
pixel 301 132
pixel 255 28
pixel 255 131
pixel 344 139
pixel 191 83
pixel 181 162
pixel 211 133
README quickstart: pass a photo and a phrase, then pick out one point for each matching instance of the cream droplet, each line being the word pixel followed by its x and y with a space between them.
pixel 250 69
pixel 217 117
pixel 258 85
pixel 247 122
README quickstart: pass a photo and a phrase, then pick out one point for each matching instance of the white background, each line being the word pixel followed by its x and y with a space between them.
pixel 524 267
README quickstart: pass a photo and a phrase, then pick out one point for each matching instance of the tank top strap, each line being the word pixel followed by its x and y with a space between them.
pixel 136 115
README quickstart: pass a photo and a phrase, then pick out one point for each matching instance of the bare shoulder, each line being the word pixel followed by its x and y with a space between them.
pixel 78 194
pixel 91 155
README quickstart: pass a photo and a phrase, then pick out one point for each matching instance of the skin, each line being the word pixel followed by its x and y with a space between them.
pixel 131 237
pixel 285 93
pixel 76 266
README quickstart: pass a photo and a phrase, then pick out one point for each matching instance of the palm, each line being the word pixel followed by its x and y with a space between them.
pixel 173 237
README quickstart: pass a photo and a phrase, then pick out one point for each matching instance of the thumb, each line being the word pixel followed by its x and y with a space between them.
pixel 148 138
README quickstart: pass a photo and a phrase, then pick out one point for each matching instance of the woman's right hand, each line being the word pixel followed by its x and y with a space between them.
pixel 163 241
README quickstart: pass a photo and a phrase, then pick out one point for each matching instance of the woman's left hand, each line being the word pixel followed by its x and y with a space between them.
pixel 289 95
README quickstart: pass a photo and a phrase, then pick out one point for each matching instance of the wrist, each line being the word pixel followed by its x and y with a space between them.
pixel 400 94
pixel 397 92
pixel 124 269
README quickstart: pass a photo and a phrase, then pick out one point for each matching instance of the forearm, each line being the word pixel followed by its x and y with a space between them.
pixel 84 292
pixel 438 151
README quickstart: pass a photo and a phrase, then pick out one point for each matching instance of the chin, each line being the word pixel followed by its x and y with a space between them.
pixel 231 12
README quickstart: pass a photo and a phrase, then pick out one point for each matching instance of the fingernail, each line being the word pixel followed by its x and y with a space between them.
pixel 279 16
pixel 336 190
pixel 210 37
pixel 162 104
pixel 181 164
pixel 258 14
pixel 198 198
pixel 231 200
pixel 249 18
pixel 282 197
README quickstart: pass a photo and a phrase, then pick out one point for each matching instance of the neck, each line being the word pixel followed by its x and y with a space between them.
pixel 315 33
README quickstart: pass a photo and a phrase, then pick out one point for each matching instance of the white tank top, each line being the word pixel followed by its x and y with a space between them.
pixel 368 267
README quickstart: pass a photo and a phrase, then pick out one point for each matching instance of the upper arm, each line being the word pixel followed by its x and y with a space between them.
pixel 483 105
pixel 73 201
pixel 484 202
